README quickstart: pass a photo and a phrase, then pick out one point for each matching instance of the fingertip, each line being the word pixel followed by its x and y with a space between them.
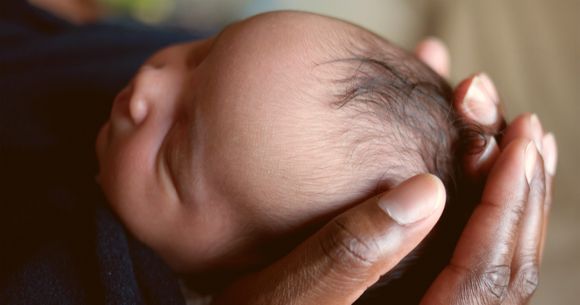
pixel 526 125
pixel 537 132
pixel 473 101
pixel 438 186
pixel 432 185
pixel 550 153
pixel 482 163
pixel 433 41
pixel 414 200
pixel 460 92
pixel 531 157
pixel 435 54
pixel 489 87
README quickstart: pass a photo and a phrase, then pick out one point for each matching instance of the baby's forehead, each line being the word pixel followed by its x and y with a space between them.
pixel 306 53
pixel 287 26
pixel 279 58
pixel 286 74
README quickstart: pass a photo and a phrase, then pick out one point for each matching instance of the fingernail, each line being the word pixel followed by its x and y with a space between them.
pixel 490 149
pixel 550 153
pixel 478 106
pixel 414 200
pixel 434 40
pixel 489 87
pixel 537 131
pixel 530 161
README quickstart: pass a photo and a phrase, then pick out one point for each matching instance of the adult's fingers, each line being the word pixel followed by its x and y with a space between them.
pixel 550 154
pixel 526 260
pixel 434 53
pixel 528 125
pixel 349 254
pixel 525 125
pixel 477 102
pixel 480 269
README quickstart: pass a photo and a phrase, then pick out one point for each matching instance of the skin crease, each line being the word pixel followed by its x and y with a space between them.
pixel 203 164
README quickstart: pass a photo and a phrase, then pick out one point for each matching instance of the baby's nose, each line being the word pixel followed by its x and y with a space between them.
pixel 137 110
pixel 145 92
pixel 155 89
pixel 158 84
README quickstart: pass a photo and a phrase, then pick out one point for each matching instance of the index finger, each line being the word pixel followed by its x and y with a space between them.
pixel 480 267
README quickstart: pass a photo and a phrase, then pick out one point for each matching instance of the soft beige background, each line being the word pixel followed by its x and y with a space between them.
pixel 531 48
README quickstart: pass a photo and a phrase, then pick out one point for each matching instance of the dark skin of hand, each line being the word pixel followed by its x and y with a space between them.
pixel 497 258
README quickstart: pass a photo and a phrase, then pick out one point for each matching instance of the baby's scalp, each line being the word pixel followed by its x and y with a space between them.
pixel 399 121
pixel 296 117
pixel 395 113
pixel 396 120
pixel 390 115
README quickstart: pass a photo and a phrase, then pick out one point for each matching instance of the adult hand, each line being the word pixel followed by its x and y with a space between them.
pixel 497 258
pixel 344 258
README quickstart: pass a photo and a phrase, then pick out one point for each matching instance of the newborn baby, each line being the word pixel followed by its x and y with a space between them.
pixel 222 154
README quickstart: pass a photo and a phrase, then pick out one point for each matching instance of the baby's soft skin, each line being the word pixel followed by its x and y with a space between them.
pixel 220 155
pixel 222 150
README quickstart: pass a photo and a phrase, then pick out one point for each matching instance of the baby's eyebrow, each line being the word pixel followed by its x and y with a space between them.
pixel 193 57
pixel 225 29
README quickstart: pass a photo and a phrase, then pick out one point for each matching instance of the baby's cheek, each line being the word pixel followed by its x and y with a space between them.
pixel 127 185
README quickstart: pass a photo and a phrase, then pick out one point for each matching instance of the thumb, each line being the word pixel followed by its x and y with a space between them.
pixel 350 253
pixel 435 54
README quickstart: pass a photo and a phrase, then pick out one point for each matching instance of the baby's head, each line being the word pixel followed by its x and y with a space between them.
pixel 223 153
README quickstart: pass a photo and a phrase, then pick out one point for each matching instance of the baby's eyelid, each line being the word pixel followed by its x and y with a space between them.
pixel 198 54
pixel 166 169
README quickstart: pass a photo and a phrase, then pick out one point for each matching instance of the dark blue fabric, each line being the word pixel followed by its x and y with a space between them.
pixel 59 243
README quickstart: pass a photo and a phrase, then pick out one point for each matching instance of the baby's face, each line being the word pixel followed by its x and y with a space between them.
pixel 221 150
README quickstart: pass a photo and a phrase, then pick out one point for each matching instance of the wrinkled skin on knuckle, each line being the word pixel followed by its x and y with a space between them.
pixel 495 281
pixel 526 282
pixel 349 250
pixel 485 286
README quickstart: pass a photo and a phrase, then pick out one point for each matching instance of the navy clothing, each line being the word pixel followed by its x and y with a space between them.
pixel 59 243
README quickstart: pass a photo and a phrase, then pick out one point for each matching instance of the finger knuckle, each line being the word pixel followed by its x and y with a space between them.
pixel 347 248
pixel 488 285
pixel 495 281
pixel 527 280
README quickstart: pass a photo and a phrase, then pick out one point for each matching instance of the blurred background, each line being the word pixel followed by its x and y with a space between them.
pixel 530 48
